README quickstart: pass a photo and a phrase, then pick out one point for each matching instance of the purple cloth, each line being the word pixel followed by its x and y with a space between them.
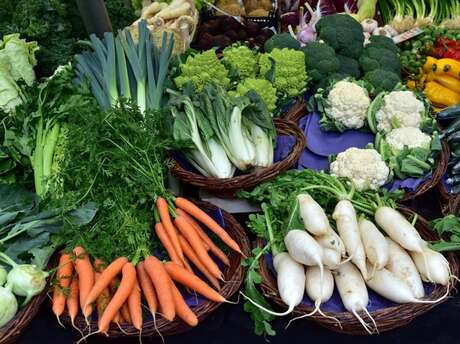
pixel 335 305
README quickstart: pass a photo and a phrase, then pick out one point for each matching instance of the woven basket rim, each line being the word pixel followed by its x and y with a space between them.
pixel 388 318
pixel 454 205
pixel 13 329
pixel 233 275
pixel 250 180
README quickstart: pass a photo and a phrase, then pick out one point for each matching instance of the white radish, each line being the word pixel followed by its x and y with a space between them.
pixel 385 283
pixel 353 292
pixel 432 266
pixel 303 248
pixel 319 291
pixel 347 226
pixel 375 245
pixel 399 229
pixel 291 282
pixel 313 216
pixel 332 240
pixel 331 258
pixel 402 266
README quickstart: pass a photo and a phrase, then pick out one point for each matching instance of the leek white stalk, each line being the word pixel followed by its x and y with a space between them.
pixel 263 146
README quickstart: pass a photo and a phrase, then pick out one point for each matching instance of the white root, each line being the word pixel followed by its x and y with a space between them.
pixel 332 241
pixel 375 245
pixel 432 266
pixel 313 216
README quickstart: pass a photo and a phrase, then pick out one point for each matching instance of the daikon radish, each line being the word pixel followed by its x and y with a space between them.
pixel 331 258
pixel 303 248
pixel 347 226
pixel 401 265
pixel 399 229
pixel 353 292
pixel 313 216
pixel 432 266
pixel 375 245
pixel 332 240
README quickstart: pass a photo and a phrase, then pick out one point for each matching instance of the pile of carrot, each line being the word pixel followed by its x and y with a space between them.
pixel 115 290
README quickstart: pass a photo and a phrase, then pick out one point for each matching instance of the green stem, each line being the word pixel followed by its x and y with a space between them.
pixel 48 151
pixel 271 236
pixel 7 259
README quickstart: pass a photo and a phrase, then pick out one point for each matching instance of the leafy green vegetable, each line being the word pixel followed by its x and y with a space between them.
pixel 448 228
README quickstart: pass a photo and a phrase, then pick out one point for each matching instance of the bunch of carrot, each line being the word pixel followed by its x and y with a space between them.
pixel 116 289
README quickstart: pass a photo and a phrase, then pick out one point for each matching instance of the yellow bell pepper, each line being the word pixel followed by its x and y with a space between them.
pixel 441 95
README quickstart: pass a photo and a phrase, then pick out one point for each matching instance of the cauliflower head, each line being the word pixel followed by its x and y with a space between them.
pixel 347 104
pixel 290 75
pixel 263 88
pixel 201 69
pixel 364 167
pixel 399 109
pixel 241 59
pixel 408 137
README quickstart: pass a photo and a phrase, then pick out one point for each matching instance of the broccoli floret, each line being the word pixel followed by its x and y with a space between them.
pixel 263 88
pixel 384 42
pixel 201 69
pixel 382 80
pixel 320 60
pixel 280 41
pixel 349 66
pixel 379 58
pixel 343 33
pixel 242 60
pixel 286 68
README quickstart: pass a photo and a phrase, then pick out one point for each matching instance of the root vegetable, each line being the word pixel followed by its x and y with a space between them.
pixel 332 241
pixel 375 245
pixel 432 266
pixel 313 216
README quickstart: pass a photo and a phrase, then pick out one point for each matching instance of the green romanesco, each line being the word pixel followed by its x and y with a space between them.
pixel 286 68
pixel 201 69
pixel 242 60
pixel 320 60
pixel 263 88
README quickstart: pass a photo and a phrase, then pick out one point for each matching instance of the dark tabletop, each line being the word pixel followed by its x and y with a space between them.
pixel 230 324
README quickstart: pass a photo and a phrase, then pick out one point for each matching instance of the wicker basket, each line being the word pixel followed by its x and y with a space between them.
pixel 296 112
pixel 453 205
pixel 10 332
pixel 227 186
pixel 234 275
pixel 388 318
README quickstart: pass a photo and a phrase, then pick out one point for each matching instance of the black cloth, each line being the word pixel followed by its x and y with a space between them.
pixel 230 324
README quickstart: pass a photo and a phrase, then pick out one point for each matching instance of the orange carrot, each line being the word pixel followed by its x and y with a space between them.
pixel 209 244
pixel 195 241
pixel 147 288
pixel 124 312
pixel 167 244
pixel 190 254
pixel 161 281
pixel 72 300
pixel 99 265
pixel 124 290
pixel 182 309
pixel 85 273
pixel 163 210
pixel 64 278
pixel 103 282
pixel 135 308
pixel 118 318
pixel 204 218
pixel 189 280
pixel 103 298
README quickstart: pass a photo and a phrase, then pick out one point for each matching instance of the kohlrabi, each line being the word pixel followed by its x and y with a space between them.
pixel 25 280
pixel 3 274
pixel 8 306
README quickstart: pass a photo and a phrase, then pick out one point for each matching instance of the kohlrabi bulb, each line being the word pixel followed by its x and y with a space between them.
pixel 3 274
pixel 26 280
pixel 8 306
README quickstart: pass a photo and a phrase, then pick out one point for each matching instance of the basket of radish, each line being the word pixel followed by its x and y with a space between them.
pixel 352 261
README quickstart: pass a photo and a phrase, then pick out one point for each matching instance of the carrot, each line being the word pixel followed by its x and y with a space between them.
pixel 204 218
pixel 135 308
pixel 99 265
pixel 189 280
pixel 163 210
pixel 118 318
pixel 161 234
pixel 64 278
pixel 188 251
pixel 182 309
pixel 161 282
pixel 103 282
pixel 85 273
pixel 103 298
pixel 72 300
pixel 147 288
pixel 124 290
pixel 195 241
pixel 124 312
pixel 209 244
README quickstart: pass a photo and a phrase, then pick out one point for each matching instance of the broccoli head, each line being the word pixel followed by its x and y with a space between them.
pixel 242 60
pixel 382 80
pixel 349 66
pixel 384 42
pixel 343 33
pixel 379 58
pixel 286 68
pixel 320 60
pixel 280 41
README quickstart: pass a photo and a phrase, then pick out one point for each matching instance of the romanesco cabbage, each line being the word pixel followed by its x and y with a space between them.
pixel 290 76
pixel 242 59
pixel 201 69
pixel 263 88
